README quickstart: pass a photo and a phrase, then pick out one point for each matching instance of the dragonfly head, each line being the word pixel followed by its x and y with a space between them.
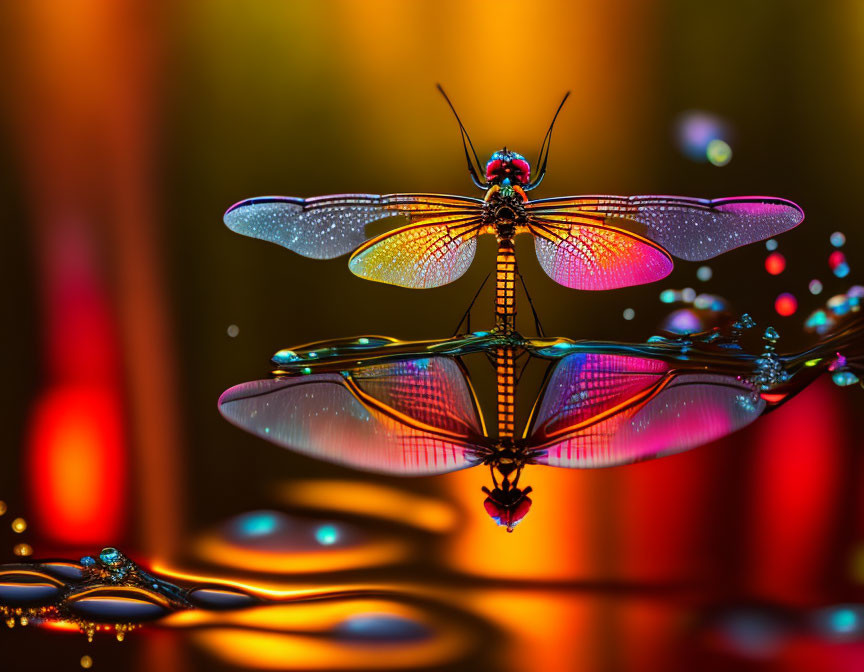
pixel 507 505
pixel 506 168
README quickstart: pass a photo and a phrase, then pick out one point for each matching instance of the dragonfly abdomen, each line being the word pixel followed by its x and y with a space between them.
pixel 505 286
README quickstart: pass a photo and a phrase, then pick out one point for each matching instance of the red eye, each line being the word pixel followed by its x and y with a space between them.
pixel 493 168
pixel 522 170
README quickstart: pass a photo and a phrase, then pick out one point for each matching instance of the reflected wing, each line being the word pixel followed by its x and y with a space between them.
pixel 420 256
pixel 690 228
pixel 632 411
pixel 582 254
pixel 375 420
pixel 586 386
pixel 330 226
pixel 433 392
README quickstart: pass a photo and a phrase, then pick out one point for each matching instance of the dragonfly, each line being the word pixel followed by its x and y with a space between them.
pixel 593 242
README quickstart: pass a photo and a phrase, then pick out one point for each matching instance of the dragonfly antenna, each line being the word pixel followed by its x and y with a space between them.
pixel 547 143
pixel 471 168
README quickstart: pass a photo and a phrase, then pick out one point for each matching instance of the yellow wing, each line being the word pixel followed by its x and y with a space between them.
pixel 420 256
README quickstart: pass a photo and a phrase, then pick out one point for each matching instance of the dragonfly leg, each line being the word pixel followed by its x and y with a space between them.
pixel 537 324
pixel 466 317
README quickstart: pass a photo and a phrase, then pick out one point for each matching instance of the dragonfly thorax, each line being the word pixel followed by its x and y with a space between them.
pixel 504 208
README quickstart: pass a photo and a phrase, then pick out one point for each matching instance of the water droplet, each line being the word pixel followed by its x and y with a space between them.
pixel 629 313
pixel 220 598
pixel 838 239
pixel 111 557
pixel 775 263
pixel 19 525
pixel 363 341
pixel 704 273
pixel 88 561
pixel 233 330
pixel 285 357
pixel 746 322
pixel 27 591
pixel 114 608
pixel 381 627
pixel 844 378
pixel 307 370
pixel 771 335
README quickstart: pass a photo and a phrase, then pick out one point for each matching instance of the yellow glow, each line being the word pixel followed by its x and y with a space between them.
pixel 275 651
pixel 23 550
pixel 372 500
pixel 297 617
pixel 218 551
pixel 270 589
pixel 550 543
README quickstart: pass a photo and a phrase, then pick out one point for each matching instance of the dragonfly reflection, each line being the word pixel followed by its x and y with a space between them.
pixel 402 408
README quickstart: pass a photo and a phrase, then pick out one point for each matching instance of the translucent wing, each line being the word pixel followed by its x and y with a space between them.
pixel 420 256
pixel 584 386
pixel 581 254
pixel 690 228
pixel 403 417
pixel 606 410
pixel 330 226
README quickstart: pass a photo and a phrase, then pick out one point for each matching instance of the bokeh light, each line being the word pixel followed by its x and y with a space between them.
pixel 786 304
pixel 838 239
pixel 704 273
pixel 703 136
pixel 775 263
pixel 815 287
pixel 719 152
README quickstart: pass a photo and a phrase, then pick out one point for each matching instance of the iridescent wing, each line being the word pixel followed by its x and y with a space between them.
pixel 587 252
pixel 420 256
pixel 404 417
pixel 327 227
pixel 607 410
pixel 690 228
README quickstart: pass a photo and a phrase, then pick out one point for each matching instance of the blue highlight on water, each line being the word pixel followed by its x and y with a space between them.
pixel 327 535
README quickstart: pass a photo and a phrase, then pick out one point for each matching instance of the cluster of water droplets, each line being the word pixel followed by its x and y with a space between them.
pixel 770 371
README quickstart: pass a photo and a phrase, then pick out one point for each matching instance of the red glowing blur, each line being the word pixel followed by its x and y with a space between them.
pixel 77 459
pixel 786 304
pixel 775 263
